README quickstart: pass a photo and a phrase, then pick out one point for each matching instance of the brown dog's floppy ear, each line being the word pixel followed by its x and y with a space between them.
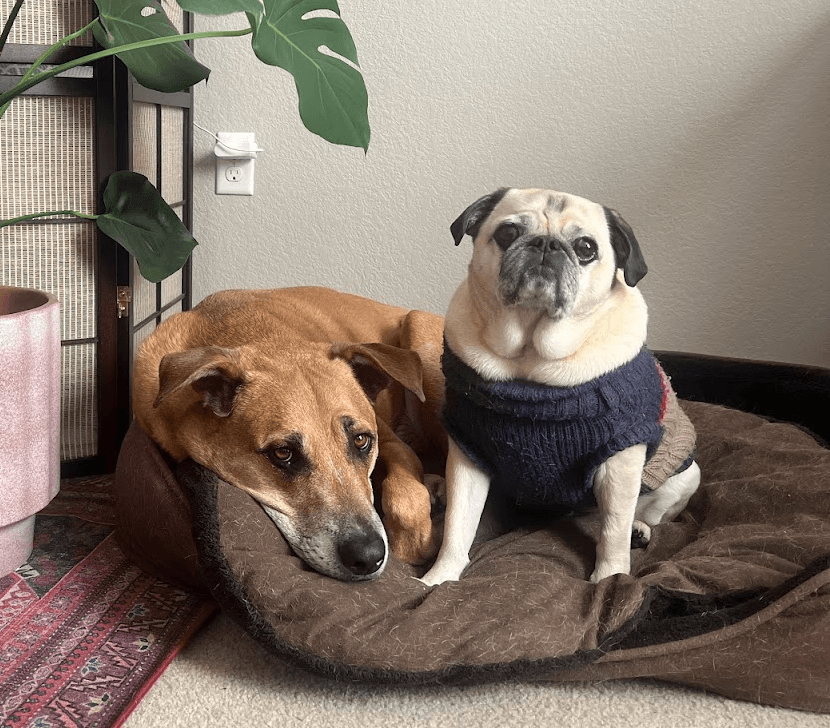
pixel 469 221
pixel 376 365
pixel 212 371
pixel 626 248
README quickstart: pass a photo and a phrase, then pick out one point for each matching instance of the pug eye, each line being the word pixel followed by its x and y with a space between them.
pixel 585 250
pixel 506 234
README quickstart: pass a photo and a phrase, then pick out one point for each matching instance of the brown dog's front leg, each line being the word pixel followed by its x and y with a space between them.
pixel 405 500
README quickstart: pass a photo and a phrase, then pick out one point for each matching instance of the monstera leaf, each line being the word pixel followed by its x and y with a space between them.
pixel 167 68
pixel 139 219
pixel 305 37
pixel 293 35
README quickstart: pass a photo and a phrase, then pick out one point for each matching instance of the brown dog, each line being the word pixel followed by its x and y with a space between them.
pixel 293 395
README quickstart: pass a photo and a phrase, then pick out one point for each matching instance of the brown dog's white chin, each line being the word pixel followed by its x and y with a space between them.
pixel 359 553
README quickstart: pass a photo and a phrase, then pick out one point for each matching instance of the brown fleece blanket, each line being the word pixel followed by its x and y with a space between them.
pixel 733 597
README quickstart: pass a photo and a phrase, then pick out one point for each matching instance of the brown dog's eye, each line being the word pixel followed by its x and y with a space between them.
pixel 506 234
pixel 282 454
pixel 586 250
pixel 289 458
pixel 362 442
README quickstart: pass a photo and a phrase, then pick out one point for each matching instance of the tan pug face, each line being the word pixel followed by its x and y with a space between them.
pixel 548 251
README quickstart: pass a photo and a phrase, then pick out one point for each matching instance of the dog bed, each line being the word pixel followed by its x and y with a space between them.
pixel 733 597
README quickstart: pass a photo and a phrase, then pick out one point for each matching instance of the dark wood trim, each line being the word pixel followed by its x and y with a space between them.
pixel 187 210
pixel 84 466
pixel 79 342
pixel 159 147
pixel 115 92
pixel 148 96
pixel 124 262
pixel 187 165
pixel 53 86
pixel 68 220
pixel 29 53
pixel 159 312
pixel 106 155
pixel 159 176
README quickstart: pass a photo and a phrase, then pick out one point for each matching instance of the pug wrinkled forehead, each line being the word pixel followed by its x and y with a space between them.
pixel 555 232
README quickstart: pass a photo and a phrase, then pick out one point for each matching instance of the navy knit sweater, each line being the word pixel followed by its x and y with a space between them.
pixel 542 444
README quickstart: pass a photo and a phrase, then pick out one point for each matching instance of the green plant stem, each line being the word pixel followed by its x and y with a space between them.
pixel 26 218
pixel 7 28
pixel 42 59
pixel 24 86
pixel 57 46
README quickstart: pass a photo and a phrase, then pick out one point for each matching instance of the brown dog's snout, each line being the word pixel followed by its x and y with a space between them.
pixel 362 551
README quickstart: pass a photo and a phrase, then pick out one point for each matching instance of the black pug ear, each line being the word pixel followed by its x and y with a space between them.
pixel 627 251
pixel 469 221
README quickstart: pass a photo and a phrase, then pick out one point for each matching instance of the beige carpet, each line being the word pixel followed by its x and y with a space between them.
pixel 223 678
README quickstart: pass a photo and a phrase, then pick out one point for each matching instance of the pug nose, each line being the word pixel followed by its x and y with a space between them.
pixel 546 244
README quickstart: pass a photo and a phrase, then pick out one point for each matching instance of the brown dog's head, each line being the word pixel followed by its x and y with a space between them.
pixel 295 429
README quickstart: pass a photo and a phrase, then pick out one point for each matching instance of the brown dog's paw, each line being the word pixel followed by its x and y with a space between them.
pixel 411 547
pixel 408 523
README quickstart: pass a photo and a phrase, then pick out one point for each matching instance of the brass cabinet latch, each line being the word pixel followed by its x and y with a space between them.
pixel 124 296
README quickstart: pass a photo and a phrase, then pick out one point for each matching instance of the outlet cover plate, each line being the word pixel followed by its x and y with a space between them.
pixel 234 176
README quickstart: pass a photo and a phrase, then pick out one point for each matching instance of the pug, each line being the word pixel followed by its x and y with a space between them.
pixel 552 396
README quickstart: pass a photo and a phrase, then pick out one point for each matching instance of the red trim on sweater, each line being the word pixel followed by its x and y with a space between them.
pixel 664 402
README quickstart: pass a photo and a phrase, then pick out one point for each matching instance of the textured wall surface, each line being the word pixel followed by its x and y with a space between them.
pixel 705 124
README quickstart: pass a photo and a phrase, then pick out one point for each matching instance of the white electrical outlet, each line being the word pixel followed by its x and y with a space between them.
pixel 235 158
pixel 234 176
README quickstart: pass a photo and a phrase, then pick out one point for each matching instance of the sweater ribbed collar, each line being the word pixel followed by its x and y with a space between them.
pixel 523 398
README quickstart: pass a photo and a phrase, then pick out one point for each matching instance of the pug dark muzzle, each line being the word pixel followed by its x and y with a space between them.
pixel 540 272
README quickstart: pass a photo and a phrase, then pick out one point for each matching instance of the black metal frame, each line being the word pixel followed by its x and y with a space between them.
pixel 132 93
pixel 114 91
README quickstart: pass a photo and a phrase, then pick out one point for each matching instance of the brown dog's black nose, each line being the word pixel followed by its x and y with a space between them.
pixel 362 552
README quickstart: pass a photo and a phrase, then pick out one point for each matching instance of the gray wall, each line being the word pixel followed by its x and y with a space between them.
pixel 704 123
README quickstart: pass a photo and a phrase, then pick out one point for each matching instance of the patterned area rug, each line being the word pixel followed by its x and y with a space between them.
pixel 83 632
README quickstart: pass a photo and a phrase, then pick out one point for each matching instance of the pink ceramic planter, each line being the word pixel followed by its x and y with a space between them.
pixel 30 386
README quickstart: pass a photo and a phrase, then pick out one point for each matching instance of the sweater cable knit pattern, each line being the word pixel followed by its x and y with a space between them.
pixel 542 444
